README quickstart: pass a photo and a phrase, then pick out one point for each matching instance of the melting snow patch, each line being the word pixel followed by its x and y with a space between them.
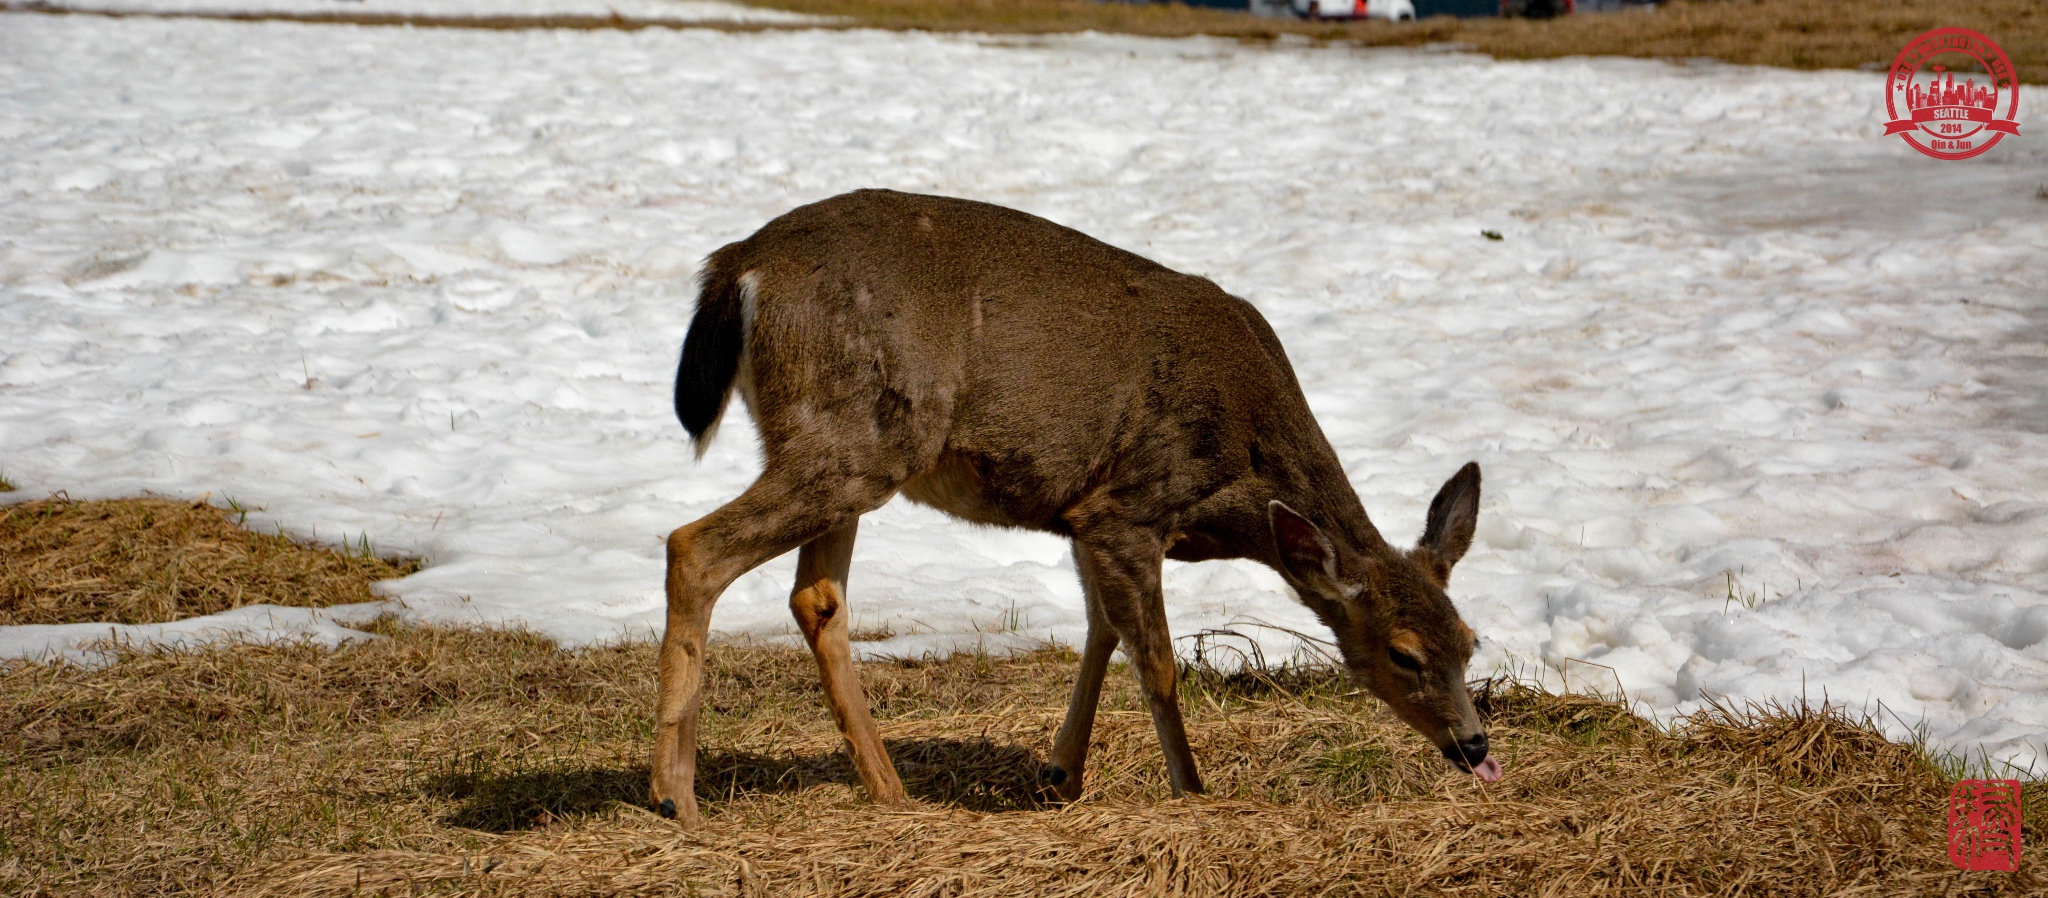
pixel 255 624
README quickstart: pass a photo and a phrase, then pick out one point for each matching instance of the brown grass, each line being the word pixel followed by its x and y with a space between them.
pixel 150 560
pixel 1799 34
pixel 485 762
pixel 479 762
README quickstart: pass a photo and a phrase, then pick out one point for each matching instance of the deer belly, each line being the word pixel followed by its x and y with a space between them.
pixel 957 487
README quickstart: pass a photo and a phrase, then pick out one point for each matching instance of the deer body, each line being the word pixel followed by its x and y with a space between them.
pixel 1014 372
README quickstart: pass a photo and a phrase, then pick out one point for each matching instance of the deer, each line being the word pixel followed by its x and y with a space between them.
pixel 1014 372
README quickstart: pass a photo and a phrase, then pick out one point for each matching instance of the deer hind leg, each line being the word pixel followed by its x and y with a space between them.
pixel 1123 572
pixel 819 603
pixel 779 512
pixel 1069 764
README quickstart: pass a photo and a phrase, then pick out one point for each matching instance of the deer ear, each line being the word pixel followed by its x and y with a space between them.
pixel 1453 515
pixel 1304 551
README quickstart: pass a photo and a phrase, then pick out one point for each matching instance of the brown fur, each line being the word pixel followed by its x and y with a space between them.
pixel 1011 371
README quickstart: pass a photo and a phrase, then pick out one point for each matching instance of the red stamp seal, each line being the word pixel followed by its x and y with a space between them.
pixel 1984 825
pixel 1942 116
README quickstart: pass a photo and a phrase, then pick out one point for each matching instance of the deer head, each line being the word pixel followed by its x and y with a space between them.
pixel 1396 629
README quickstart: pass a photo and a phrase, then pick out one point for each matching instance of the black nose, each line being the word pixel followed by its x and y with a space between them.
pixel 1467 753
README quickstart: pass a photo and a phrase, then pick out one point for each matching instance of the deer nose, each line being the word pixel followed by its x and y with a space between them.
pixel 1468 752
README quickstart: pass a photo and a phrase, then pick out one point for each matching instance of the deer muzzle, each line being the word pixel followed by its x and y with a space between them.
pixel 1471 755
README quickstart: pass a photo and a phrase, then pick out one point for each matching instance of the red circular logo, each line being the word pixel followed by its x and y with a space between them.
pixel 1951 114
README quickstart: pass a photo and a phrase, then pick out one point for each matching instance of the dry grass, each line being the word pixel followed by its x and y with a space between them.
pixel 150 560
pixel 493 763
pixel 479 762
pixel 1800 34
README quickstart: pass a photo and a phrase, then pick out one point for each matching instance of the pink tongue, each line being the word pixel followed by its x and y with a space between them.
pixel 1487 770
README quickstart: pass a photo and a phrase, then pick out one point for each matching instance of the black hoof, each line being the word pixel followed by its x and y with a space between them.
pixel 668 808
pixel 1053 775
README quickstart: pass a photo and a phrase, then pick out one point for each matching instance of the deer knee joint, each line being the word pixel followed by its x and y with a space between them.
pixel 814 608
pixel 681 545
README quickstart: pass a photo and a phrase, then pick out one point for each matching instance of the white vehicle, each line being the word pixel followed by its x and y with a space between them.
pixel 1390 10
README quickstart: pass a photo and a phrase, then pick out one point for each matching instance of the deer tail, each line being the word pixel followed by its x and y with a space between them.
pixel 712 350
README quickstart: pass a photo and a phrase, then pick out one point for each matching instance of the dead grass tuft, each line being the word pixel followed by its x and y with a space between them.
pixel 1800 743
pixel 150 560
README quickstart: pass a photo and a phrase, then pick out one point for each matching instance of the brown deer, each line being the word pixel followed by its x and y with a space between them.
pixel 1014 372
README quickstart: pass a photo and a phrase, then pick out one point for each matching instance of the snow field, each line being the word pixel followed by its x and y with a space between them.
pixel 1757 393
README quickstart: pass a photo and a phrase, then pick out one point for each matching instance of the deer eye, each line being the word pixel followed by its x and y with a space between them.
pixel 1404 661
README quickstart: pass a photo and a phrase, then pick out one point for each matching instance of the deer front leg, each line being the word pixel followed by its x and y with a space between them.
pixel 1069 764
pixel 1125 570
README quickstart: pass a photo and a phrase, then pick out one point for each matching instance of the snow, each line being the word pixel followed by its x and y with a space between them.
pixel 253 624
pixel 1757 391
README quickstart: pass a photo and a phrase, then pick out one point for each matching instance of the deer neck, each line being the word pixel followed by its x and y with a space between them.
pixel 1318 489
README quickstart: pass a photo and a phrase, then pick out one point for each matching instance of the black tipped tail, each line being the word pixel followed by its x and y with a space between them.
pixel 711 352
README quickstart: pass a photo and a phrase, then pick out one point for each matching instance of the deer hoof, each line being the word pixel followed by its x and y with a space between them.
pixel 668 808
pixel 1053 775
